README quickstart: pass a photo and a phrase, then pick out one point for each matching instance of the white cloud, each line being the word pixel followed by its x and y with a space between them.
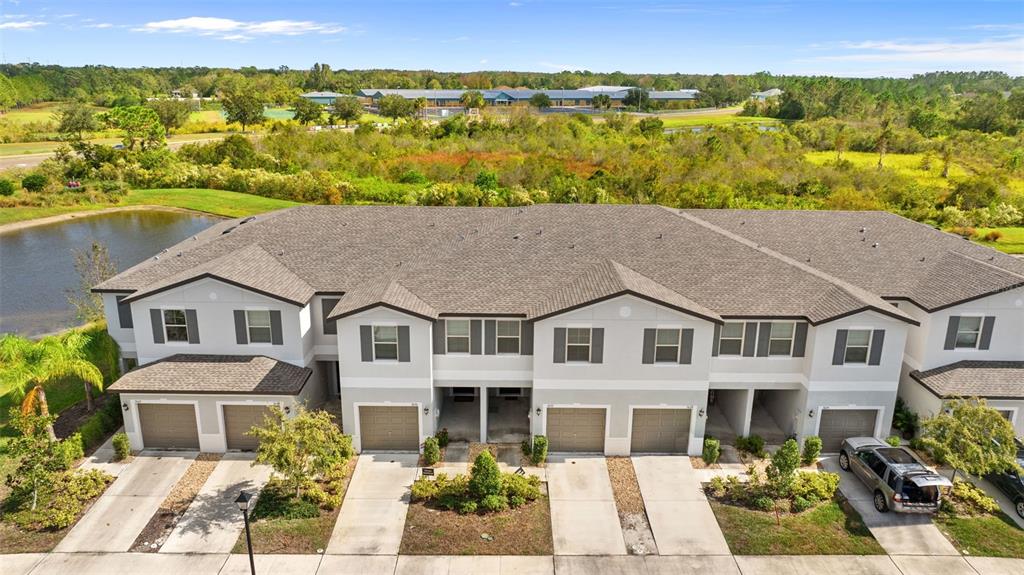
pixel 997 27
pixel 21 25
pixel 559 67
pixel 515 4
pixel 101 25
pixel 1004 51
pixel 236 30
pixel 483 61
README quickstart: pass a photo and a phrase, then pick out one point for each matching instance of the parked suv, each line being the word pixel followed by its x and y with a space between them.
pixel 899 480
pixel 1011 482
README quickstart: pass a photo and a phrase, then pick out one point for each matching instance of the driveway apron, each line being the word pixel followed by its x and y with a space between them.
pixel 372 517
pixel 681 518
pixel 584 520
pixel 120 514
pixel 212 522
pixel 897 533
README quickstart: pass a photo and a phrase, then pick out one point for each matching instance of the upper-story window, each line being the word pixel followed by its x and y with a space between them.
pixel 175 325
pixel 457 335
pixel 508 336
pixel 258 326
pixel 666 346
pixel 385 342
pixel 858 342
pixel 968 332
pixel 731 340
pixel 780 338
pixel 577 344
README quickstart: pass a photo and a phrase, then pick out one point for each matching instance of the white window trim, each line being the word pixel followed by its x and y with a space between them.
pixel 792 340
pixel 163 320
pixel 867 356
pixel 678 345
pixel 589 344
pixel 468 336
pixel 742 338
pixel 977 341
pixel 248 333
pixel 373 343
pixel 518 338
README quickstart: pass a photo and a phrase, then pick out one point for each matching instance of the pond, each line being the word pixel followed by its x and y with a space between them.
pixel 37 264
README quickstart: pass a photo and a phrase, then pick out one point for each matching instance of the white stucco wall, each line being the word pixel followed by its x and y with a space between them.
pixel 125 338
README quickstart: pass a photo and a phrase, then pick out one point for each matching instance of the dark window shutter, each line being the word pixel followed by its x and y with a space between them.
pixel 986 331
pixel 875 353
pixel 241 333
pixel 326 305
pixel 439 335
pixel 559 345
pixel 526 335
pixel 800 339
pixel 839 352
pixel 366 342
pixel 951 328
pixel 716 339
pixel 124 313
pixel 763 336
pixel 686 346
pixel 403 343
pixel 156 317
pixel 649 337
pixel 749 338
pixel 490 337
pixel 276 333
pixel 475 336
pixel 193 325
pixel 597 345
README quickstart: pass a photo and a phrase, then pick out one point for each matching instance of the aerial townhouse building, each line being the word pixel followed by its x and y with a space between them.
pixel 609 329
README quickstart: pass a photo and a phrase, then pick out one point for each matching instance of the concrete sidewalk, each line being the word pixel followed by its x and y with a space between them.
pixel 584 519
pixel 212 522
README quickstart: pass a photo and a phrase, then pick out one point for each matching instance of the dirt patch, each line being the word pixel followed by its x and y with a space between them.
pixel 476 448
pixel 72 418
pixel 629 502
pixel 174 506
pixel 698 463
pixel 522 531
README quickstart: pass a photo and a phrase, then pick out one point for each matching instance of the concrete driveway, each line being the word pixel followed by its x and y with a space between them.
pixel 121 513
pixel 898 533
pixel 212 522
pixel 584 520
pixel 680 516
pixel 372 517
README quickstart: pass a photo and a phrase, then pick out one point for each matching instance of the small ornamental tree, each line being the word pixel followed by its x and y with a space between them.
pixel 485 477
pixel 971 437
pixel 307 111
pixel 302 448
pixel 540 100
pixel 244 109
pixel 783 467
pixel 37 453
pixel 347 110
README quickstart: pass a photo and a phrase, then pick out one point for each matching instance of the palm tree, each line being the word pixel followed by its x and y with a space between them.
pixel 27 366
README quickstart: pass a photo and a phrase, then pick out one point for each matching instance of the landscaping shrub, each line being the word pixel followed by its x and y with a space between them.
pixel 431 451
pixel 782 467
pixel 712 450
pixel 487 489
pixel 34 182
pixel 812 449
pixel 494 503
pixel 524 487
pixel 485 477
pixel 893 440
pixel 68 451
pixel 973 497
pixel 442 437
pixel 964 231
pixel 800 504
pixel 277 501
pixel 992 236
pixel 6 187
pixel 122 447
pixel 753 444
pixel 814 486
pixel 904 419
pixel 424 488
pixel 468 506
pixel 540 450
pixel 763 503
pixel 71 491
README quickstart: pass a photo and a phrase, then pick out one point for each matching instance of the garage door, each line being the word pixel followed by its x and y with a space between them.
pixel 576 429
pixel 660 431
pixel 168 426
pixel 389 428
pixel 238 420
pixel 839 424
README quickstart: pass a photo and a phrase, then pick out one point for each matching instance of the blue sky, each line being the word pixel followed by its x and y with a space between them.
pixel 840 37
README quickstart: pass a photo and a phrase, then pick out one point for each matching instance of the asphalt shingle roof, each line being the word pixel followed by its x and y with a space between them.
pixel 215 374
pixel 991 379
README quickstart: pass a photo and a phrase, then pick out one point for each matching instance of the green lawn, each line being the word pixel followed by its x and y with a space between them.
pixel 43 147
pixel 984 535
pixel 830 529
pixel 1012 241
pixel 910 165
pixel 42 112
pixel 723 117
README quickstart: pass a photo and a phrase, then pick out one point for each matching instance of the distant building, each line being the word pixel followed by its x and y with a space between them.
pixel 764 95
pixel 577 98
pixel 323 98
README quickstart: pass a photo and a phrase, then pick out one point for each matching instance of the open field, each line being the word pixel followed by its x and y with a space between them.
pixel 720 117
pixel 912 165
pixel 44 147
pixel 1012 241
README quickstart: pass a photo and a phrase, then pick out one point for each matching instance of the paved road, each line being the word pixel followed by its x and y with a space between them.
pixel 584 520
pixel 372 517
pixel 31 160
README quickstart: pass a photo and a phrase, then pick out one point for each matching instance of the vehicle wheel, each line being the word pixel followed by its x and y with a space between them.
pixel 880 503
pixel 1019 506
pixel 844 461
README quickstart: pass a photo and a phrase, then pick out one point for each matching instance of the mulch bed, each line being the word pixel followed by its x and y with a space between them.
pixel 522 531
pixel 629 502
pixel 72 418
pixel 174 506
pixel 13 539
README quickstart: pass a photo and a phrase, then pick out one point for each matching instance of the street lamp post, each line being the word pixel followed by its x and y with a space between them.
pixel 244 497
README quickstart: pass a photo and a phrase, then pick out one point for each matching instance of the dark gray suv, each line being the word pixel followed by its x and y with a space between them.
pixel 898 479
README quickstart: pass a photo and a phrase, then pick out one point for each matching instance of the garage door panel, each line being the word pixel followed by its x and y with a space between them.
pixel 389 428
pixel 660 431
pixel 576 429
pixel 839 424
pixel 238 420
pixel 168 426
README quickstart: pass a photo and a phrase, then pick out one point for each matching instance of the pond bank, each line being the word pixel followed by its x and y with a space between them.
pixel 13 226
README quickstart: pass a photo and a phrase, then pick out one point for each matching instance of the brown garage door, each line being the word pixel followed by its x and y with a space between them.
pixel 839 424
pixel 238 420
pixel 576 429
pixel 169 426
pixel 389 428
pixel 660 431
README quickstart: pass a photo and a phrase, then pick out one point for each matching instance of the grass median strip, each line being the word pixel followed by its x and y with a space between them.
pixel 174 506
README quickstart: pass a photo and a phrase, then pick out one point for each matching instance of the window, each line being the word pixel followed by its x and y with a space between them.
pixel 666 346
pixel 780 338
pixel 858 341
pixel 258 321
pixel 968 332
pixel 508 336
pixel 385 342
pixel 731 340
pixel 577 344
pixel 457 335
pixel 175 325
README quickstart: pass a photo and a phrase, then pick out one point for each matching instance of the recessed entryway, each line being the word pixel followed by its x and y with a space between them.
pixel 389 428
pixel 657 430
pixel 168 425
pixel 576 429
